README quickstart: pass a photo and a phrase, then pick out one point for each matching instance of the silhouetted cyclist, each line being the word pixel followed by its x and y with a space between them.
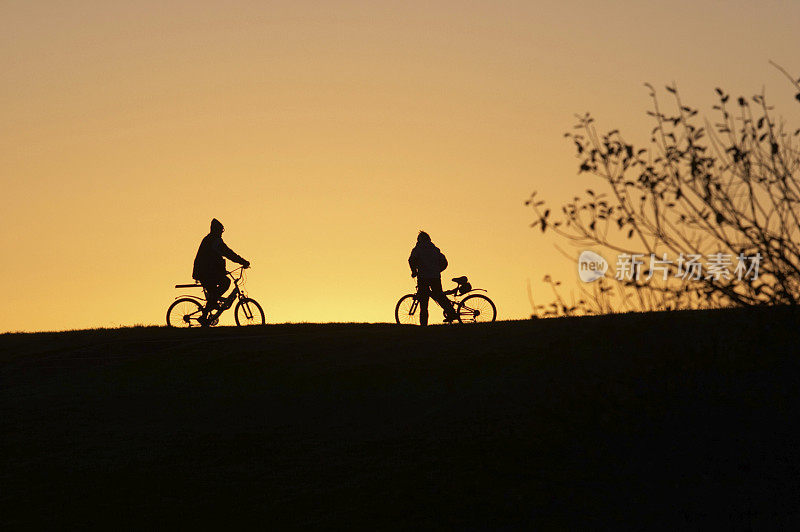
pixel 427 264
pixel 209 266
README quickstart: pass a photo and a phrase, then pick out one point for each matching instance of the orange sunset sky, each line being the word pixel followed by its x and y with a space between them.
pixel 324 135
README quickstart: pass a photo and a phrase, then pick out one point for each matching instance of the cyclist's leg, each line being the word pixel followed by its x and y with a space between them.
pixel 208 289
pixel 214 289
pixel 438 295
pixel 222 285
pixel 423 293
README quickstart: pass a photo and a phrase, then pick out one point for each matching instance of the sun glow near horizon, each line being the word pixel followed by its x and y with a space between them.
pixel 324 136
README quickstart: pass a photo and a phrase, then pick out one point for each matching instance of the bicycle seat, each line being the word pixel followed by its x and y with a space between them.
pixel 460 280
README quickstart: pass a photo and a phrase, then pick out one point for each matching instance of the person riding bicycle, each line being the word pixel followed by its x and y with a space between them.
pixel 427 263
pixel 209 266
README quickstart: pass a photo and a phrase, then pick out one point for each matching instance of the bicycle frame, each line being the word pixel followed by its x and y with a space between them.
pixel 236 293
pixel 455 299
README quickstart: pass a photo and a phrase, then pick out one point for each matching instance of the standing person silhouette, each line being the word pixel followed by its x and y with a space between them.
pixel 427 264
pixel 209 266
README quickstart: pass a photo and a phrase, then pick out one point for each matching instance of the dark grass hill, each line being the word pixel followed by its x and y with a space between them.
pixel 667 420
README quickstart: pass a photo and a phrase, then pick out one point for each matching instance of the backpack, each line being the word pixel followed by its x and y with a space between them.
pixel 442 262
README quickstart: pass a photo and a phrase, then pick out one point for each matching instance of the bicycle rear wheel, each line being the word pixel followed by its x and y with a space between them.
pixel 407 311
pixel 476 308
pixel 248 312
pixel 184 312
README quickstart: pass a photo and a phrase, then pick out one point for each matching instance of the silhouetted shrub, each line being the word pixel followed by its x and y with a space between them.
pixel 725 194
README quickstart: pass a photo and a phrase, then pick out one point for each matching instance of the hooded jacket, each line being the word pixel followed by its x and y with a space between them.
pixel 209 262
pixel 426 260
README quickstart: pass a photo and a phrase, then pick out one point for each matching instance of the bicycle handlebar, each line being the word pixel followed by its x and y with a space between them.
pixel 240 269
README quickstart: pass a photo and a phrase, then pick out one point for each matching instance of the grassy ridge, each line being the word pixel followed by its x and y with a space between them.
pixel 644 420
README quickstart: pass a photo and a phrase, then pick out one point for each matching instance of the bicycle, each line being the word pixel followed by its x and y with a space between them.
pixel 474 308
pixel 187 310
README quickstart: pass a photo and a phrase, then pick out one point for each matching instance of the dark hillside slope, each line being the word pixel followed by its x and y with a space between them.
pixel 660 420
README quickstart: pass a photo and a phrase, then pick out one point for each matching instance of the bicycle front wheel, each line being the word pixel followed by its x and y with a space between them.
pixel 407 311
pixel 476 308
pixel 248 312
pixel 184 312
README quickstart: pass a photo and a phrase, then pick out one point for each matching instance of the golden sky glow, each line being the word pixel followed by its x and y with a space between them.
pixel 324 135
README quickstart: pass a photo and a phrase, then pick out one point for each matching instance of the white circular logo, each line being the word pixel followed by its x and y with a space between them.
pixel 591 266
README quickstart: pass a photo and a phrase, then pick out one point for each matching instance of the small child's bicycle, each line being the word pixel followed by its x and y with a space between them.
pixel 187 310
pixel 475 308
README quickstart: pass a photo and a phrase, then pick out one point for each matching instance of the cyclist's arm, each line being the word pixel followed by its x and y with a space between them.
pixel 412 263
pixel 228 253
